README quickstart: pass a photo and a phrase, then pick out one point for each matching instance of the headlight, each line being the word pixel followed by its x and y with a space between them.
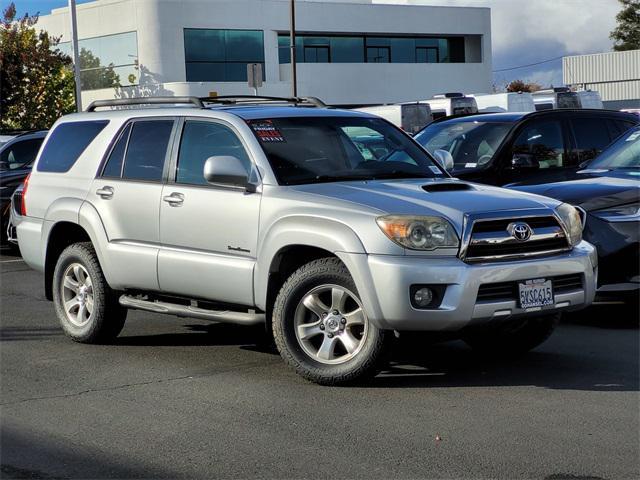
pixel 418 233
pixel 620 213
pixel 571 221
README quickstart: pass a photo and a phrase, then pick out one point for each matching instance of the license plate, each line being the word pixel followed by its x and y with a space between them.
pixel 536 293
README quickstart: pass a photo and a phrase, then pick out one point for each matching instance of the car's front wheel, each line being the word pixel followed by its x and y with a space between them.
pixel 320 327
pixel 87 308
pixel 513 338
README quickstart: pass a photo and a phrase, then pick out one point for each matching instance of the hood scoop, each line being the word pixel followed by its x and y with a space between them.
pixel 446 187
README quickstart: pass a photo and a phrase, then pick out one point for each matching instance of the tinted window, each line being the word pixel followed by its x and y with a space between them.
pixel 541 144
pixel 66 144
pixel 19 154
pixel 591 136
pixel 201 140
pixel 147 150
pixel 113 168
pixel 618 127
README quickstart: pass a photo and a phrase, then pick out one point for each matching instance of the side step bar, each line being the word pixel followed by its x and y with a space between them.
pixel 227 316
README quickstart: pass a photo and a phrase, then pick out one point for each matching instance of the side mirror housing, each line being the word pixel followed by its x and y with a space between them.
pixel 522 161
pixel 225 170
pixel 444 158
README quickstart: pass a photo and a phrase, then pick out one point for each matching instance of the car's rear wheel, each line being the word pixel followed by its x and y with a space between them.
pixel 513 338
pixel 87 308
pixel 320 327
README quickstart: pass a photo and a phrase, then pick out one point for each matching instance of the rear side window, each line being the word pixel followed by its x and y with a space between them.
pixel 147 150
pixel 113 168
pixel 591 136
pixel 618 127
pixel 66 143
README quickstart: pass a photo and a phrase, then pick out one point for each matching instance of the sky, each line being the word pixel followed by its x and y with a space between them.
pixel 523 32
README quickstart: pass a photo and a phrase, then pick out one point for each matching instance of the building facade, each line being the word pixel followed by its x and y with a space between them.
pixel 348 52
pixel 616 75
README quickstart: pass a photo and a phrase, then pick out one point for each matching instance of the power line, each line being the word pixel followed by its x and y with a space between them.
pixel 528 65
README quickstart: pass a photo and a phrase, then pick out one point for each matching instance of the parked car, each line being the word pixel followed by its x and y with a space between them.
pixel 271 214
pixel 504 102
pixel 503 148
pixel 552 98
pixel 608 189
pixel 16 157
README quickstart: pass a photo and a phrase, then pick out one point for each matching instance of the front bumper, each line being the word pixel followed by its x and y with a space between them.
pixel 385 286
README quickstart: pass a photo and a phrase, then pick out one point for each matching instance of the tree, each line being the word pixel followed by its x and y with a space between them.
pixel 626 35
pixel 522 86
pixel 36 81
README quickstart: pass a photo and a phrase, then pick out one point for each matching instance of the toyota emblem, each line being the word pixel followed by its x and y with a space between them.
pixel 520 231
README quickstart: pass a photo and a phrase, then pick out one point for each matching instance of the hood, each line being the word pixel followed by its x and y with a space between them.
pixel 449 198
pixel 591 189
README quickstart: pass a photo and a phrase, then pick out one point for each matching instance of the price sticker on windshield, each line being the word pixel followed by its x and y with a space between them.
pixel 267 132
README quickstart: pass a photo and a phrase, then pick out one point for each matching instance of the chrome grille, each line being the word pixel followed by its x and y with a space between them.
pixel 490 239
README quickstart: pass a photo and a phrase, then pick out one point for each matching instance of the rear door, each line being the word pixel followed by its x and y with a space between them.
pixel 209 234
pixel 127 193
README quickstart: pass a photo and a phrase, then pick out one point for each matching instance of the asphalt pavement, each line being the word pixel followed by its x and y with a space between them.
pixel 185 398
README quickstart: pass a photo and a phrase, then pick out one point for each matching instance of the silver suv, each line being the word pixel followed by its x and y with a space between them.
pixel 334 228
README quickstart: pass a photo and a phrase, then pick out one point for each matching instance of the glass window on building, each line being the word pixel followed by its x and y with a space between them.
pixel 378 54
pixel 108 61
pixel 221 55
pixel 332 48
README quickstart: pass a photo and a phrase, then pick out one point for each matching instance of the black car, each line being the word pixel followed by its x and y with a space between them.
pixel 608 189
pixel 502 148
pixel 16 158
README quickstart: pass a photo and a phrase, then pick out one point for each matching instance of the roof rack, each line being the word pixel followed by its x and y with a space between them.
pixel 261 99
pixel 119 102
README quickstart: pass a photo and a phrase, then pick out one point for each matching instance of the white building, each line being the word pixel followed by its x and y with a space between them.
pixel 348 52
pixel 616 75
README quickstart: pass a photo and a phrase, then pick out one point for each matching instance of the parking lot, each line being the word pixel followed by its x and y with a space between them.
pixel 184 398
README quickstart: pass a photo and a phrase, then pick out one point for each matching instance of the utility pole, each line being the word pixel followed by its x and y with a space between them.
pixel 292 37
pixel 76 54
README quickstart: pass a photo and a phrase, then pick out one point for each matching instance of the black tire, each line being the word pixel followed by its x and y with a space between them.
pixel 107 317
pixel 365 363
pixel 513 338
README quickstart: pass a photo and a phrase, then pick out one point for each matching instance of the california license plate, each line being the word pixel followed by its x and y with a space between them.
pixel 536 293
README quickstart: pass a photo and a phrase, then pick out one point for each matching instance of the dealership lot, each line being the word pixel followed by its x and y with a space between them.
pixel 180 397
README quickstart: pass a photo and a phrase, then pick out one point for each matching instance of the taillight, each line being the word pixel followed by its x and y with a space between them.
pixel 23 199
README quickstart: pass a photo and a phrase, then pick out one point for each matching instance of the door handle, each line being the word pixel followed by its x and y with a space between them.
pixel 105 192
pixel 175 199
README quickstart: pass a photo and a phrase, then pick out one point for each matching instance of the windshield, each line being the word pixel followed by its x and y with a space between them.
pixel 624 153
pixel 328 149
pixel 471 144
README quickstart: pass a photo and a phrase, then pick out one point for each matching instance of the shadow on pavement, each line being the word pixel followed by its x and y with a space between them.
pixel 31 455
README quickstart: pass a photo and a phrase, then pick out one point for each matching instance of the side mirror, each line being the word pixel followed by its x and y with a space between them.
pixel 524 161
pixel 444 158
pixel 225 170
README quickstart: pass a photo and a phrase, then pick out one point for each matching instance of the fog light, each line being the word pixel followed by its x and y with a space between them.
pixel 423 297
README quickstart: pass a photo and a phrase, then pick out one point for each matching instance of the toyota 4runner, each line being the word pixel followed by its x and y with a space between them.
pixel 333 227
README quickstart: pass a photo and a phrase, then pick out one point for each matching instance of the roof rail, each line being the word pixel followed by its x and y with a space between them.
pixel 255 99
pixel 449 95
pixel 118 102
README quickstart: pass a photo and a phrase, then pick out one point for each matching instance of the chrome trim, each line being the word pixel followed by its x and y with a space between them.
pixel 470 219
pixel 494 238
